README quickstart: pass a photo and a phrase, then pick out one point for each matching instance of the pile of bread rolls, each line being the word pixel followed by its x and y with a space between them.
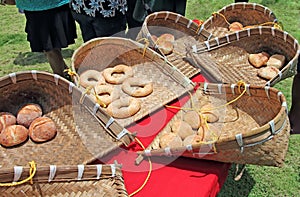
pixel 28 123
pixel 194 127
pixel 268 66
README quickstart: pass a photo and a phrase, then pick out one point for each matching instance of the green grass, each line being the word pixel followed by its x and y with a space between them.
pixel 15 56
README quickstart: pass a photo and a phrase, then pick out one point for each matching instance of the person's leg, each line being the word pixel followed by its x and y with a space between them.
pixel 110 26
pixel 180 7
pixel 294 114
pixel 86 26
pixel 56 61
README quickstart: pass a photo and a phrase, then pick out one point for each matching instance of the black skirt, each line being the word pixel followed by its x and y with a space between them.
pixel 50 29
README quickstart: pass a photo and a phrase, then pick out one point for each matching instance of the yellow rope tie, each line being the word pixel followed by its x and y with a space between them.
pixel 146 45
pixel 216 13
pixel 88 91
pixel 275 24
pixel 32 172
pixel 149 173
pixel 72 74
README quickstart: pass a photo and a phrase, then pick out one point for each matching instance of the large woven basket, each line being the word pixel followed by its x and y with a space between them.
pixel 81 136
pixel 185 32
pixel 248 14
pixel 168 82
pixel 64 180
pixel 253 127
pixel 225 59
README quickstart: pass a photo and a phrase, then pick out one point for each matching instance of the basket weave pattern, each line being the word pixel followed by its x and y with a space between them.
pixel 185 32
pixel 78 129
pixel 259 118
pixel 226 58
pixel 248 14
pixel 168 82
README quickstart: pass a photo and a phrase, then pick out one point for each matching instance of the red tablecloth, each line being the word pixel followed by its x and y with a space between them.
pixel 170 176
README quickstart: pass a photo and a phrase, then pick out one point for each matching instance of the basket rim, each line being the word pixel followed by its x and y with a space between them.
pixel 218 42
pixel 242 6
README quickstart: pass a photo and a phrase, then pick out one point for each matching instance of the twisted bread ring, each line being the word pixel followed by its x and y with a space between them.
pixel 124 107
pixel 106 93
pixel 137 87
pixel 91 78
pixel 117 74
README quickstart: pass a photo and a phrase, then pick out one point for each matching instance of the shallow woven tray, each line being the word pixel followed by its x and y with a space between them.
pixel 248 14
pixel 81 136
pixel 226 58
pixel 252 130
pixel 68 181
pixel 185 31
pixel 168 82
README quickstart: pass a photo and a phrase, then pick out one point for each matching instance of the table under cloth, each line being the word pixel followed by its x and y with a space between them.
pixel 169 176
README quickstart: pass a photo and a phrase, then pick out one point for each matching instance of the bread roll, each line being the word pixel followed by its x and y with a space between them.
pixel 6 119
pixel 166 37
pixel 235 26
pixel 259 59
pixel 42 129
pixel 170 140
pixel 276 60
pixel 13 135
pixel 192 139
pixel 193 119
pixel 28 113
pixel 182 128
pixel 165 43
pixel 268 72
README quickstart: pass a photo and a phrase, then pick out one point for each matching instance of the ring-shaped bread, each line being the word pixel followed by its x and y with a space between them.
pixel 117 74
pixel 91 78
pixel 124 107
pixel 137 87
pixel 106 93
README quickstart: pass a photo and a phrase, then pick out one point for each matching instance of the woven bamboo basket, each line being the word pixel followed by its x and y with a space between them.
pixel 81 135
pixel 64 180
pixel 248 14
pixel 225 59
pixel 252 127
pixel 168 82
pixel 185 32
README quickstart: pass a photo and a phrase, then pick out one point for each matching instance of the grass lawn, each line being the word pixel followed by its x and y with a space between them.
pixel 15 56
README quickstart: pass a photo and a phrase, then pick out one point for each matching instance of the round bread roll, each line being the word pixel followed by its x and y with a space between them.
pixel 268 72
pixel 28 113
pixel 259 59
pixel 6 119
pixel 171 140
pixel 13 135
pixel 192 139
pixel 193 119
pixel 276 60
pixel 42 129
pixel 166 47
pixel 165 43
pixel 166 37
pixel 182 128
pixel 211 132
pixel 235 26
